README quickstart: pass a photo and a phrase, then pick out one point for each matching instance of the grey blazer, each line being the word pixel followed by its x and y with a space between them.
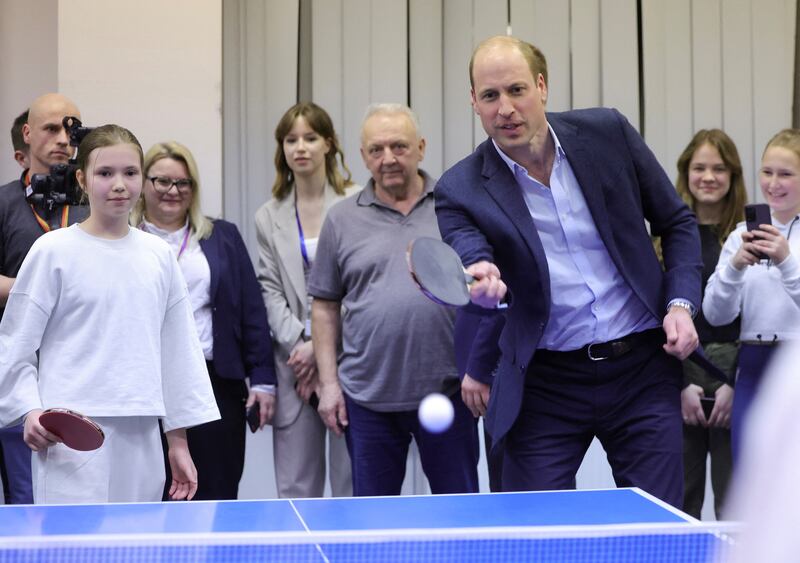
pixel 280 273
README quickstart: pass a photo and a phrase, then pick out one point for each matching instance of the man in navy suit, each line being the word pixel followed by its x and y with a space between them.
pixel 549 215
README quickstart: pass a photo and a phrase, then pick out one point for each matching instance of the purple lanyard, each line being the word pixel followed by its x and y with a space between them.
pixel 303 249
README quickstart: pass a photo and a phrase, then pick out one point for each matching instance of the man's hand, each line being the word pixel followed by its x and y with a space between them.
pixel 691 407
pixel 35 435
pixel 475 395
pixel 488 289
pixel 681 335
pixel 184 473
pixel 723 404
pixel 332 409
pixel 266 406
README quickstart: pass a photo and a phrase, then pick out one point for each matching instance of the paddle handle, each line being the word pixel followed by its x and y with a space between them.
pixel 469 279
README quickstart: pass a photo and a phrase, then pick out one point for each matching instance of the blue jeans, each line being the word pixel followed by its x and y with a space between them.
pixel 378 446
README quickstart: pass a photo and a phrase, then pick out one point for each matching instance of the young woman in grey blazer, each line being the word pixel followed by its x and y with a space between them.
pixel 308 181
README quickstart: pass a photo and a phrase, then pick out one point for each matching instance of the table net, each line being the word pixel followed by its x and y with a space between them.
pixel 672 543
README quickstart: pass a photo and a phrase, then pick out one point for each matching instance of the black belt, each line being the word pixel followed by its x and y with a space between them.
pixel 611 349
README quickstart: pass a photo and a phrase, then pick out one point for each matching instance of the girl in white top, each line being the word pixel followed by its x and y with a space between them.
pixel 107 309
pixel 766 293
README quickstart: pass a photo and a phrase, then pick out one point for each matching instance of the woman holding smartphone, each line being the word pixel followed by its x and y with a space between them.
pixel 764 292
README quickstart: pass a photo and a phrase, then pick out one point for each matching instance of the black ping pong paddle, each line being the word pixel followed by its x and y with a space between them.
pixel 438 272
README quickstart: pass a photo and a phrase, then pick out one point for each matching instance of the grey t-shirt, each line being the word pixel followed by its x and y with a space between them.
pixel 19 228
pixel 397 346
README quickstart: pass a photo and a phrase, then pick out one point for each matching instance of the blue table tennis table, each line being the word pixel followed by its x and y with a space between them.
pixel 616 525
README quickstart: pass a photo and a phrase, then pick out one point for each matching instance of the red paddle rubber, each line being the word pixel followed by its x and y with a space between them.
pixel 75 430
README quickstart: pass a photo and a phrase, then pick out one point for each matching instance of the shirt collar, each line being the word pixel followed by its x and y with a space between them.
pixel 367 197
pixel 515 167
pixel 164 234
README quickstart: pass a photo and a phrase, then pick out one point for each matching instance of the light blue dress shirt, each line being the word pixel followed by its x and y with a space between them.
pixel 591 302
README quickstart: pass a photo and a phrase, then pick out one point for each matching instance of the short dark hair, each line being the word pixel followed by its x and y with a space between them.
pixel 532 54
pixel 17 140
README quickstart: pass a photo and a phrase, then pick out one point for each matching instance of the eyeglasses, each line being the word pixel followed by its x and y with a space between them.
pixel 163 184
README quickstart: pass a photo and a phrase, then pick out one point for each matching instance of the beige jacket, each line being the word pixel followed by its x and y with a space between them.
pixel 280 273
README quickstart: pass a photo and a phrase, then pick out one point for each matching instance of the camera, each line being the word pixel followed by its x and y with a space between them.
pixel 61 185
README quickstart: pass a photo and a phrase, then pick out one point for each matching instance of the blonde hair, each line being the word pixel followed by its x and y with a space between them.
pixel 199 225
pixel 788 139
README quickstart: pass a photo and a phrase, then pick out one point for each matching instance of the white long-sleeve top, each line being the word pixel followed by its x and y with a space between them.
pixel 114 329
pixel 766 296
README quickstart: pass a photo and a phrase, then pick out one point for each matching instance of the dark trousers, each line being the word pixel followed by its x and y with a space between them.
pixel 378 446
pixel 699 443
pixel 15 466
pixel 217 447
pixel 753 362
pixel 494 462
pixel 630 403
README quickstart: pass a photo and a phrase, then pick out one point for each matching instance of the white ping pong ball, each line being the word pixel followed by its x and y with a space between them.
pixel 436 413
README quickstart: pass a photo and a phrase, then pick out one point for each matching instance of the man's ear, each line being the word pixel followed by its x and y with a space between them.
pixel 26 133
pixel 542 85
pixel 21 158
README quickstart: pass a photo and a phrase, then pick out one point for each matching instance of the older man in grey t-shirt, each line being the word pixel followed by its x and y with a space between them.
pixel 397 347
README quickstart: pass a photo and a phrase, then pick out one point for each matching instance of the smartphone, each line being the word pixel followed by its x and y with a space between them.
pixel 708 405
pixel 756 214
pixel 253 416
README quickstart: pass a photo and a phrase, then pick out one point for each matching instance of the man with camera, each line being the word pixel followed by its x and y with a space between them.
pixel 25 214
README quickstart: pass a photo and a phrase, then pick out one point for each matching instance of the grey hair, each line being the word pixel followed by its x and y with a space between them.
pixel 391 108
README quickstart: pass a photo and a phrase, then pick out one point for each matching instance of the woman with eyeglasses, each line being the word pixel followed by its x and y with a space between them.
pixel 228 311
pixel 308 181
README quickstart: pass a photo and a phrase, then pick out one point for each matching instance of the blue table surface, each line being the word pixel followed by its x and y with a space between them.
pixel 617 506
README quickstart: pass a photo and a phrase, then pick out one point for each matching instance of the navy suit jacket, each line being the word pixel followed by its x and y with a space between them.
pixel 475 336
pixel 242 343
pixel 483 216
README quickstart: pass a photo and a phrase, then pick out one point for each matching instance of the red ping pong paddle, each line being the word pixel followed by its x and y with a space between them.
pixel 75 430
pixel 438 272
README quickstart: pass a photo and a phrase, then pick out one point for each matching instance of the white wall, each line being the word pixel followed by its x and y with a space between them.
pixel 28 66
pixel 153 67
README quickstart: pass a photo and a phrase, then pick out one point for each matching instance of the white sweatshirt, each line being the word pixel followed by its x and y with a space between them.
pixel 766 297
pixel 114 329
